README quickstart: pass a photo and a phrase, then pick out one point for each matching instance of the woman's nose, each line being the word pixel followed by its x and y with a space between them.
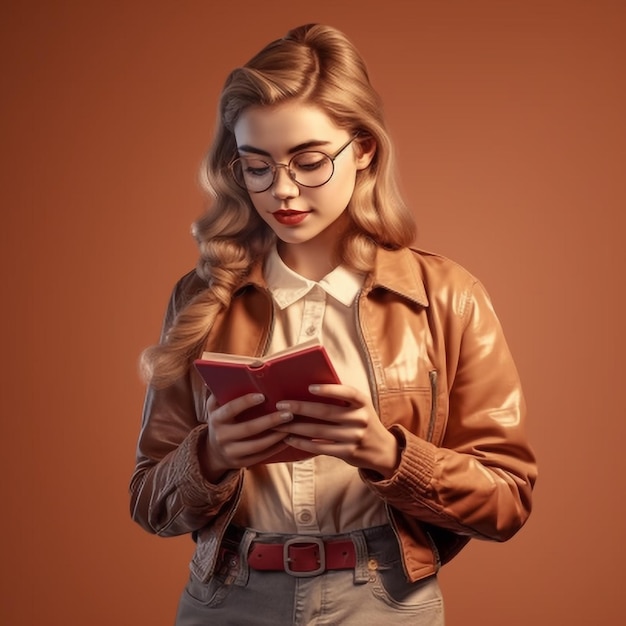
pixel 284 186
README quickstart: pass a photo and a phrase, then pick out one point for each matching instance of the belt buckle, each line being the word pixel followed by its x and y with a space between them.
pixel 304 540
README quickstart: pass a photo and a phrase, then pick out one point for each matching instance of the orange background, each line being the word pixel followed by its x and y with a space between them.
pixel 509 122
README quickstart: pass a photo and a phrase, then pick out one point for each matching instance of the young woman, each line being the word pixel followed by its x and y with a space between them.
pixel 307 237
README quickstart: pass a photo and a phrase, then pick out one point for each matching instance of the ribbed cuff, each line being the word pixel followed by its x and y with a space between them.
pixel 196 491
pixel 414 473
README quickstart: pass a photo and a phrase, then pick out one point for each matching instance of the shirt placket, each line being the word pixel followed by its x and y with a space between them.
pixel 303 493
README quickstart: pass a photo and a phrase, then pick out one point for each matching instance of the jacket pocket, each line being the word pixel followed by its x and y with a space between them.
pixel 415 407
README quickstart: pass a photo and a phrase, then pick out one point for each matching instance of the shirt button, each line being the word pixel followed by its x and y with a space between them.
pixel 310 330
pixel 305 517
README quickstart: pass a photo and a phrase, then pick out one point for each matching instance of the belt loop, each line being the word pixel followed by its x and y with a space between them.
pixel 244 547
pixel 361 571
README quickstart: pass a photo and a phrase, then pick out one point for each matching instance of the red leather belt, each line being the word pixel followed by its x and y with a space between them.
pixel 303 556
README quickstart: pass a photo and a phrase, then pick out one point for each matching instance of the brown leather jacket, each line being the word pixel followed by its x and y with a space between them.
pixel 442 379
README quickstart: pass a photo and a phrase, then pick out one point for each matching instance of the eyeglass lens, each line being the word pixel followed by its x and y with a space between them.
pixel 309 169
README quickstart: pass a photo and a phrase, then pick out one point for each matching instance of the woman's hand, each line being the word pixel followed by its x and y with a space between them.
pixel 353 432
pixel 232 443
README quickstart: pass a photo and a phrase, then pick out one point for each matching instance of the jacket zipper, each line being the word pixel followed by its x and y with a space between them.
pixel 375 401
pixel 434 548
pixel 433 376
pixel 371 376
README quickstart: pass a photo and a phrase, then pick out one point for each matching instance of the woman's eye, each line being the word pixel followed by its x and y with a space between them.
pixel 257 171
pixel 258 168
pixel 308 162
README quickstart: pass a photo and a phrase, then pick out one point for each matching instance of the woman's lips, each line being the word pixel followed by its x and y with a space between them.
pixel 287 217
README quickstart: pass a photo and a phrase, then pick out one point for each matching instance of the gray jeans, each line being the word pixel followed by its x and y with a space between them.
pixel 374 592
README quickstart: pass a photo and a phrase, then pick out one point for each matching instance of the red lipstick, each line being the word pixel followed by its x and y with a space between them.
pixel 287 217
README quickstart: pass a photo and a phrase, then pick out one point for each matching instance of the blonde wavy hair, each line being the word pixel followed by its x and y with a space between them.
pixel 314 64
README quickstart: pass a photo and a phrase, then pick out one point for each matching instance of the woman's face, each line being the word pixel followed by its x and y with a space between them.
pixel 300 216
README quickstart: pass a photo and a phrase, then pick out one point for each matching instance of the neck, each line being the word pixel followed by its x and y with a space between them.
pixel 316 257
pixel 313 264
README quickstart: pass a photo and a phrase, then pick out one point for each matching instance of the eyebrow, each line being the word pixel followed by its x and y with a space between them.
pixel 302 146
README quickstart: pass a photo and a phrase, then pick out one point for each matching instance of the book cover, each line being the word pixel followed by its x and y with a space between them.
pixel 285 375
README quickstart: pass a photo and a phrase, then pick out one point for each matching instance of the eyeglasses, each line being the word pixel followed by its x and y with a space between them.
pixel 311 168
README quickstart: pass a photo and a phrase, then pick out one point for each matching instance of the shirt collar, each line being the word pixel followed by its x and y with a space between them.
pixel 288 286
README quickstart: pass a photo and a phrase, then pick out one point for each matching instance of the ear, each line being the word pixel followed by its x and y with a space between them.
pixel 364 150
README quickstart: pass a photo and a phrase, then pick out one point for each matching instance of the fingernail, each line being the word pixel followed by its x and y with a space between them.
pixel 258 397
pixel 314 388
pixel 286 416
pixel 282 405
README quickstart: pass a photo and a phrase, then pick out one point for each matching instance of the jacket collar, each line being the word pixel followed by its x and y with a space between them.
pixel 398 272
pixel 395 271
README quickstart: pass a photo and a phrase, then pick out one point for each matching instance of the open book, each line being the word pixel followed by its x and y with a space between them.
pixel 284 375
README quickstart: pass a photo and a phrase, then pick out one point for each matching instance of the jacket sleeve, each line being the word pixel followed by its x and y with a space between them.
pixel 478 483
pixel 168 491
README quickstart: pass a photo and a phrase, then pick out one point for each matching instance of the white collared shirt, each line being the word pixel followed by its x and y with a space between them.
pixel 321 495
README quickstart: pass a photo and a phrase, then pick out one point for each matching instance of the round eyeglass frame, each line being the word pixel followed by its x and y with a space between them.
pixel 275 166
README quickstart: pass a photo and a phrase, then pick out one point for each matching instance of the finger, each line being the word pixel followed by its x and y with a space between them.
pixel 229 412
pixel 253 427
pixel 317 446
pixel 251 451
pixel 243 448
pixel 330 396
pixel 348 394
pixel 322 431
pixel 262 457
pixel 321 411
pixel 211 403
pixel 242 403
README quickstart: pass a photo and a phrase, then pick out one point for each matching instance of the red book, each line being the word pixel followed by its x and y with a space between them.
pixel 284 375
